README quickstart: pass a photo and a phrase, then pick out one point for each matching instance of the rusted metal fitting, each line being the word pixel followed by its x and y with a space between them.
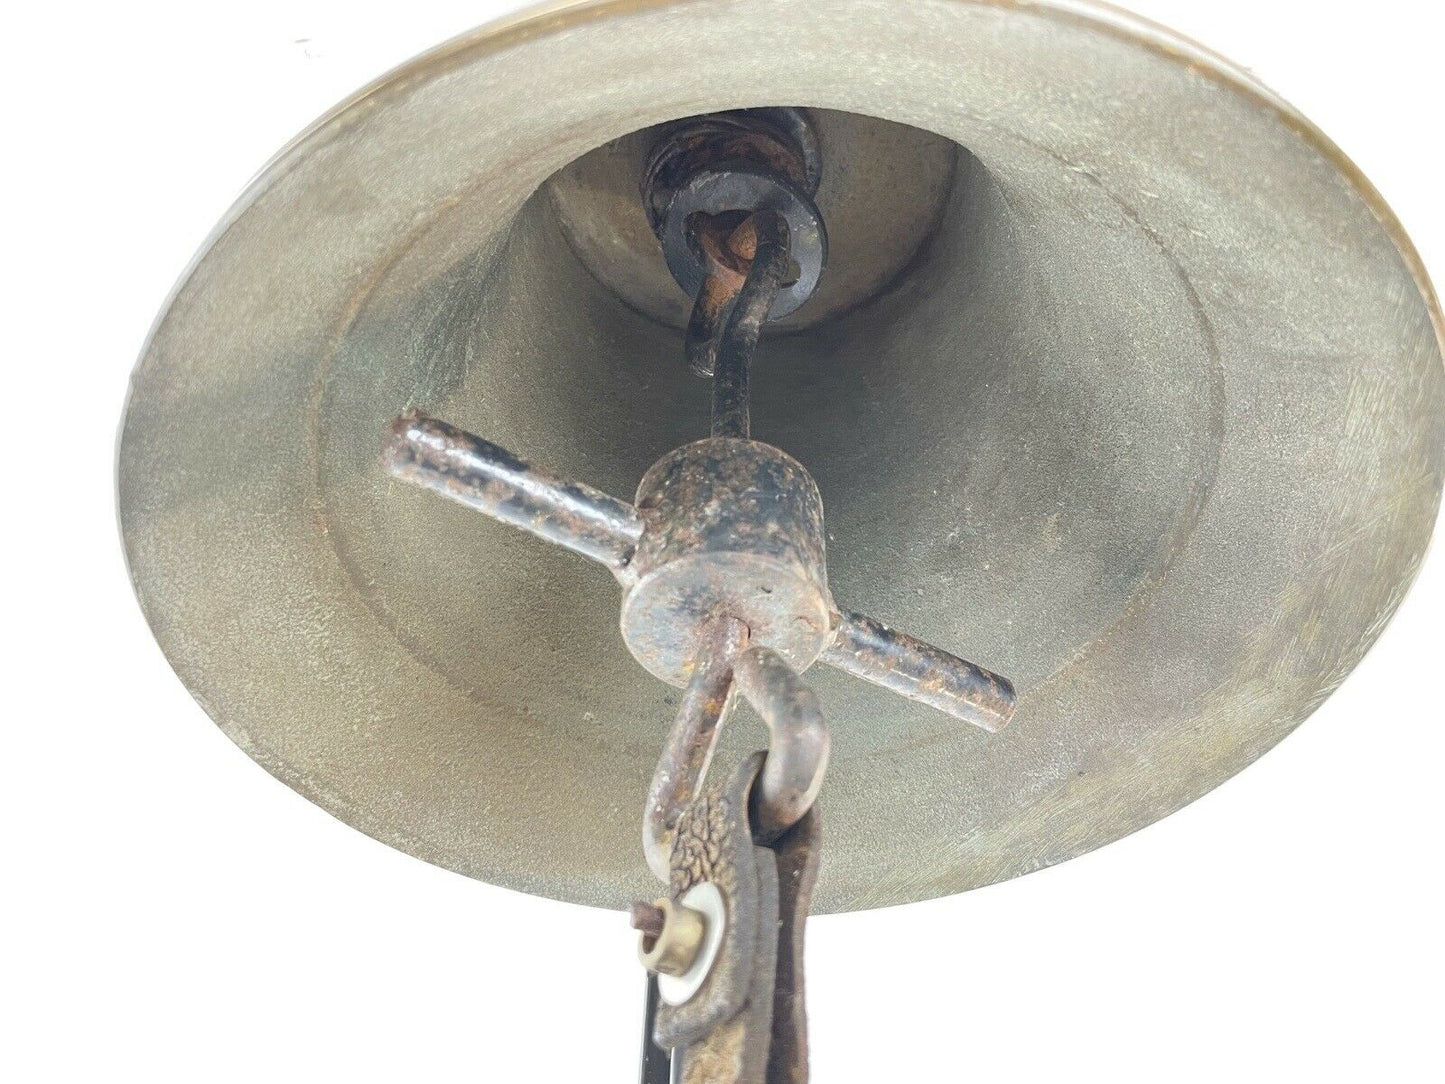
pixel 706 174
pixel 647 918
pixel 721 558
pixel 683 763
pixel 723 528
pixel 778 140
pixel 906 665
pixel 798 741
pixel 490 479
pixel 746 269
pixel 673 949
pixel 733 528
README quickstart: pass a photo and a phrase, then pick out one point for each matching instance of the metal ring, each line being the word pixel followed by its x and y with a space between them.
pixel 742 186
pixel 798 741
pixel 795 123
pixel 784 142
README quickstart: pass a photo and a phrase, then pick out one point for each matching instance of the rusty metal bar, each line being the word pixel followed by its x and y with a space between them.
pixel 732 361
pixel 919 671
pixel 798 741
pixel 688 750
pixel 481 475
pixel 704 327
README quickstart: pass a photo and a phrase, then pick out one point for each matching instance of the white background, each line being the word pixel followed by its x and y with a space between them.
pixel 172 913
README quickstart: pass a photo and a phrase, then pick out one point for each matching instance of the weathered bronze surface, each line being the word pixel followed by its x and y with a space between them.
pixel 1153 415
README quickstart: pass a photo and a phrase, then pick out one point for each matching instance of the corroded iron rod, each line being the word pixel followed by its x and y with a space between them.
pixel 481 475
pixel 689 746
pixel 732 362
pixel 870 650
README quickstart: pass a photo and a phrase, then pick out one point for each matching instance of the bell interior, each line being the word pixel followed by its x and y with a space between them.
pixel 998 429
pixel 1088 403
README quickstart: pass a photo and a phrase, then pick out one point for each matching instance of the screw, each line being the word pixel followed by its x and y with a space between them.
pixel 648 919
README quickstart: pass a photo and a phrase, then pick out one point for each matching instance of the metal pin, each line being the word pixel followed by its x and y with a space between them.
pixel 870 650
pixel 484 476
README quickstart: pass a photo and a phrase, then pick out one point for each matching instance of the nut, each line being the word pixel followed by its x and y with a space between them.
pixel 675 948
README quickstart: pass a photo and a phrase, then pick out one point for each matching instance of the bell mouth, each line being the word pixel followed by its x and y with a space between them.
pixel 1146 414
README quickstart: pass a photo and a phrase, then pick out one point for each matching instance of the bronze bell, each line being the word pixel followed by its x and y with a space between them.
pixel 1115 378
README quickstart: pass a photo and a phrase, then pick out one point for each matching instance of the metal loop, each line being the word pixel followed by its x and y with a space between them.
pixel 798 742
pixel 741 186
pixel 746 266
pixel 682 767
